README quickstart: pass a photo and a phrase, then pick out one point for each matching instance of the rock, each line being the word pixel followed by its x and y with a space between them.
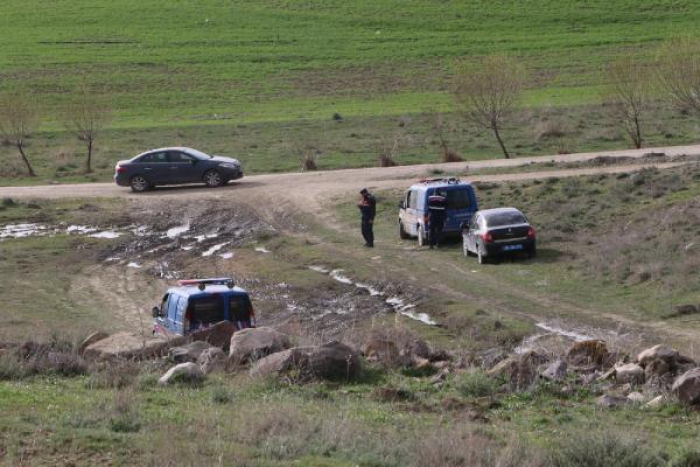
pixel 610 401
pixel 212 359
pixel 636 397
pixel 687 387
pixel 684 310
pixel 421 363
pixel 126 346
pixel 397 351
pixel 556 371
pixel 91 339
pixel 492 358
pixel 656 368
pixel 384 351
pixel 440 376
pixel 629 373
pixel 590 352
pixel 188 352
pixel 658 352
pixel 519 370
pixel 610 374
pixel 256 343
pixel 391 394
pixel 658 401
pixel 184 372
pixel 332 361
pixel 218 335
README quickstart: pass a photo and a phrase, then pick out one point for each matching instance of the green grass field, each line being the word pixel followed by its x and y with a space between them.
pixel 260 80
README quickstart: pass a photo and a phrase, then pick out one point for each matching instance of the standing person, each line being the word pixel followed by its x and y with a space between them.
pixel 437 215
pixel 368 209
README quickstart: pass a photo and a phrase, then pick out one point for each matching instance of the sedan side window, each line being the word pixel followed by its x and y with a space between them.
pixel 155 157
pixel 180 157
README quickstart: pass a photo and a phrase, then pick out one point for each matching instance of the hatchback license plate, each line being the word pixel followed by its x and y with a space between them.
pixel 512 247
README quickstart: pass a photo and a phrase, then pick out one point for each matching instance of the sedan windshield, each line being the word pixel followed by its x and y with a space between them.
pixel 505 218
pixel 198 154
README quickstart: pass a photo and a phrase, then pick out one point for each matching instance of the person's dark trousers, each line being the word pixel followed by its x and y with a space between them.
pixel 435 235
pixel 368 233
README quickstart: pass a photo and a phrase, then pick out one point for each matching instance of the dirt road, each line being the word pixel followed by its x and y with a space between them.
pixel 277 198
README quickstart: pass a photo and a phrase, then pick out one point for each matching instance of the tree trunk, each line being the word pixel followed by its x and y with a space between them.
pixel 88 164
pixel 500 141
pixel 638 134
pixel 30 170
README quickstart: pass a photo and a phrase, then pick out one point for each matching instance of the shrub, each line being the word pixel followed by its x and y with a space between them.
pixel 476 383
pixel 687 459
pixel 603 450
pixel 450 155
pixel 385 160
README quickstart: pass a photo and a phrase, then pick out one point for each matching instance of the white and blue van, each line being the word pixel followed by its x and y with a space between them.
pixel 461 204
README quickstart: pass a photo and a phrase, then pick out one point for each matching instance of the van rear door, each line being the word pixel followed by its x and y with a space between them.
pixel 461 204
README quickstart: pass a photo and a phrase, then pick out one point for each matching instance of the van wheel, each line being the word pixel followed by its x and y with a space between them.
pixel 402 233
pixel 422 240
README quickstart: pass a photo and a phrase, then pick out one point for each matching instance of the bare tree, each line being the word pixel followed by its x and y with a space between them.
pixel 86 115
pixel 679 73
pixel 488 92
pixel 440 128
pixel 18 117
pixel 627 93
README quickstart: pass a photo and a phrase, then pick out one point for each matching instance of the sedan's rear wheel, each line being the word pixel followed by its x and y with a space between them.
pixel 139 184
pixel 212 179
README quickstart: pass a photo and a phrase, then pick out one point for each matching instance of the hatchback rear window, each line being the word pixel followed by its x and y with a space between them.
pixel 505 218
pixel 207 310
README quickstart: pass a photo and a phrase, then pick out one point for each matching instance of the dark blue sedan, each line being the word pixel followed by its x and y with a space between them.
pixel 171 166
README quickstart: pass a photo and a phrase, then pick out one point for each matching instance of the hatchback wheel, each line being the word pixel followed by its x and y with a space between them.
pixel 213 179
pixel 139 184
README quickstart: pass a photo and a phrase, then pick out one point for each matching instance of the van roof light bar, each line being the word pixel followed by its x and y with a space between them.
pixel 202 283
pixel 451 180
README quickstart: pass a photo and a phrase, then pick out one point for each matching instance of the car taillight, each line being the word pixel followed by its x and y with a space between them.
pixel 487 237
pixel 120 169
pixel 531 233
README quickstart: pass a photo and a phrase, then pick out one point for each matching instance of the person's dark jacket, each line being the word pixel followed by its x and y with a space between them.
pixel 368 207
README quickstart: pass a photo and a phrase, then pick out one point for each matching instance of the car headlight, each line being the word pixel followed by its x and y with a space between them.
pixel 229 165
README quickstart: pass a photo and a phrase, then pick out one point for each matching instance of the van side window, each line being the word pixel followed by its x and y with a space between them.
pixel 172 307
pixel 413 200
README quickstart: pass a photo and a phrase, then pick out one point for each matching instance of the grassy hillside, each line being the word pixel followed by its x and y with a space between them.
pixel 261 79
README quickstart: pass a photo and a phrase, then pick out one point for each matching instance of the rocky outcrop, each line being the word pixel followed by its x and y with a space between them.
pixel 519 370
pixel 211 360
pixel 126 346
pixel 218 335
pixel 590 352
pixel 256 343
pixel 184 372
pixel 610 401
pixel 687 387
pixel 188 352
pixel 658 352
pixel 556 371
pixel 91 339
pixel 333 361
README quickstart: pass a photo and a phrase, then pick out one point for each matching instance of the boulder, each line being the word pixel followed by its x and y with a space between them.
pixel 184 372
pixel 556 371
pixel 126 346
pixel 658 401
pixel 658 352
pixel 332 361
pixel 212 359
pixel 188 352
pixel 589 352
pixel 256 343
pixel 656 368
pixel 687 387
pixel 519 370
pixel 218 335
pixel 610 401
pixel 636 397
pixel 629 373
pixel 91 339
